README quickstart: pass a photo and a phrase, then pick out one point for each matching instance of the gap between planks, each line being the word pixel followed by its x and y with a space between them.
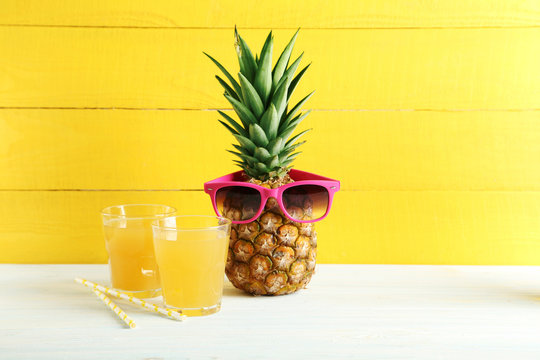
pixel 268 28
pixel 230 109
pixel 342 190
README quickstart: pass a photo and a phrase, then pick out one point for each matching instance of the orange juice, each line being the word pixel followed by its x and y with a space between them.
pixel 192 265
pixel 131 256
pixel 128 239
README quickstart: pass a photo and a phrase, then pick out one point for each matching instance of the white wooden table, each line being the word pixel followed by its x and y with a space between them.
pixel 348 311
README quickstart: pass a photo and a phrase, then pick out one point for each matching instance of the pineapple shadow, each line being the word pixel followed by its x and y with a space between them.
pixel 230 291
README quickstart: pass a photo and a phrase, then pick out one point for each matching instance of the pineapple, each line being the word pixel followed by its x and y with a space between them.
pixel 271 255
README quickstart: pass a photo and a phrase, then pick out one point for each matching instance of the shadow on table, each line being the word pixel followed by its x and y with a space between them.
pixel 230 291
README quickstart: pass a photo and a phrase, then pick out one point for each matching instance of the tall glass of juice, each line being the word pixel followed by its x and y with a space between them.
pixel 128 239
pixel 191 252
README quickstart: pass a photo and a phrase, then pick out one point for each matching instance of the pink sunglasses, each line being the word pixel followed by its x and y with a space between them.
pixel 306 200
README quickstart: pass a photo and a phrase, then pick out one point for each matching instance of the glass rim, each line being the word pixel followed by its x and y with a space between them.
pixel 222 218
pixel 104 213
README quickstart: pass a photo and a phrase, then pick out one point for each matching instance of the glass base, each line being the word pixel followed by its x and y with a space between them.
pixel 203 311
pixel 142 294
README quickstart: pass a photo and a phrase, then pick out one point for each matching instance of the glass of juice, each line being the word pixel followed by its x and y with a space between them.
pixel 128 239
pixel 191 252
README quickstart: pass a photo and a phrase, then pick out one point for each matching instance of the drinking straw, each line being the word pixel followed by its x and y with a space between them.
pixel 176 315
pixel 122 315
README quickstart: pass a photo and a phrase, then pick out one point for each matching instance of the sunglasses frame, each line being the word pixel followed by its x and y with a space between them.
pixel 299 177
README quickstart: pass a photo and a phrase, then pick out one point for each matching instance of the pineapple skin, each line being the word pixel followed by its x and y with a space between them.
pixel 271 255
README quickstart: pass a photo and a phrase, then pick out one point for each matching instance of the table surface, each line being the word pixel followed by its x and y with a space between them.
pixel 348 311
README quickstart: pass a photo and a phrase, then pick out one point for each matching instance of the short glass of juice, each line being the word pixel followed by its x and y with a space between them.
pixel 191 252
pixel 129 243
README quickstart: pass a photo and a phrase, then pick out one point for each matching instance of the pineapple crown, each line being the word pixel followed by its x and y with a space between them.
pixel 260 99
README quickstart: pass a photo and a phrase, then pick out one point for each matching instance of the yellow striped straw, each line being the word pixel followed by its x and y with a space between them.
pixel 122 315
pixel 176 315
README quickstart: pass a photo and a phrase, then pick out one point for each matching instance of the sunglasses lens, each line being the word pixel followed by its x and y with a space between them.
pixel 306 202
pixel 237 202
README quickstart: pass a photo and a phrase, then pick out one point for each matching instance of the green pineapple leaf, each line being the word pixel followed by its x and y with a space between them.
pixel 280 100
pixel 262 168
pixel 246 143
pixel 248 65
pixel 249 159
pixel 290 148
pixel 275 146
pixel 283 60
pixel 297 107
pixel 287 77
pixel 292 156
pixel 245 115
pixel 270 122
pixel 263 77
pixel 234 132
pixel 290 159
pixel 235 153
pixel 286 151
pixel 240 164
pixel 228 89
pixel 262 154
pixel 296 137
pixel 274 162
pixel 250 171
pixel 294 121
pixel 269 41
pixel 231 79
pixel 296 79
pixel 287 162
pixel 241 149
pixel 239 129
pixel 251 97
pixel 285 124
pixel 256 133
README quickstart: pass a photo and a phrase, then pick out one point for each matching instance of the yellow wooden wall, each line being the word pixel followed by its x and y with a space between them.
pixel 427 111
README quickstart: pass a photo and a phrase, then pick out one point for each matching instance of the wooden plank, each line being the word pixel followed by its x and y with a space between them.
pixel 352 69
pixel 65 227
pixel 394 150
pixel 393 227
pixel 276 14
